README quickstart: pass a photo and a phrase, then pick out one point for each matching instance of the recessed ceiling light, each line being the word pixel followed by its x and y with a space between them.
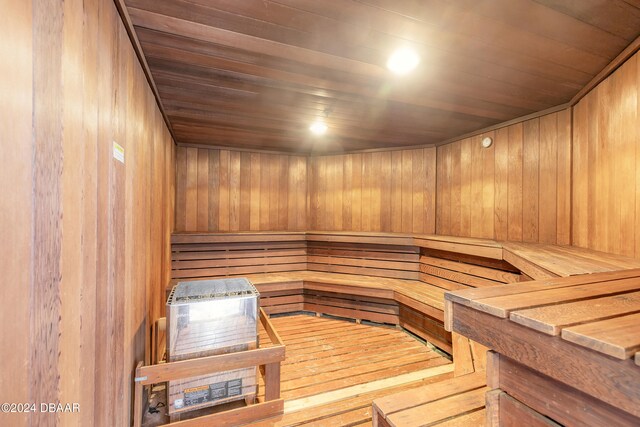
pixel 318 127
pixel 402 61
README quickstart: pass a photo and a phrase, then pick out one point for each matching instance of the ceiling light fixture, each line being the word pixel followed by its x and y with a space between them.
pixel 402 61
pixel 318 127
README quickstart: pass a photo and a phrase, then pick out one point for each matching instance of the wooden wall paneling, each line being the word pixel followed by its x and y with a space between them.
pixel 367 184
pixel 274 186
pixel 430 193
pixel 44 331
pixel 460 220
pixel 407 192
pixel 418 189
pixel 224 206
pixel 356 193
pixel 625 139
pixel 191 206
pixel 81 287
pixel 16 35
pixel 496 192
pixel 501 180
pixel 90 213
pixel 283 193
pixel 337 191
pixel 71 190
pixel 564 184
pixel 103 333
pixel 256 175
pixel 580 178
pixel 181 188
pixel 635 132
pixel 515 183
pixel 202 195
pixel 234 190
pixel 245 192
pixel 531 180
pixel 376 184
pixel 605 164
pixel 396 191
pixel 385 191
pixel 214 191
pixel 548 178
pixel 488 189
pixel 347 193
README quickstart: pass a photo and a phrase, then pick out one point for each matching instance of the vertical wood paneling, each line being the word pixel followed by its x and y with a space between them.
pixel 245 191
pixel 16 184
pixel 531 180
pixel 87 262
pixel 391 191
pixel 606 164
pixel 518 189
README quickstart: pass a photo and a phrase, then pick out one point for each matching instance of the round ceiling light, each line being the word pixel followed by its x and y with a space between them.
pixel 318 127
pixel 402 61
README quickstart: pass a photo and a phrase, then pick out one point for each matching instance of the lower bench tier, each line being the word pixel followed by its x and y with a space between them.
pixel 358 307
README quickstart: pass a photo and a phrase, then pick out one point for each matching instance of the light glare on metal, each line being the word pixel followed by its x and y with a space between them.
pixel 402 61
pixel 318 128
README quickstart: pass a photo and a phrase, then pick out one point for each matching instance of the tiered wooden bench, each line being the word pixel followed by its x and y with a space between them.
pixel 459 401
pixel 571 338
pixel 389 278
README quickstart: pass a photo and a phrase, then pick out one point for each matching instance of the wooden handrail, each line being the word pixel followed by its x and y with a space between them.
pixel 270 358
pixel 169 371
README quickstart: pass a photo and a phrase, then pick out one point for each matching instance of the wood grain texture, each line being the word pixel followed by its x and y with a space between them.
pixel 16 177
pixel 384 191
pixel 277 65
pixel 240 191
pixel 88 259
pixel 517 190
pixel 606 173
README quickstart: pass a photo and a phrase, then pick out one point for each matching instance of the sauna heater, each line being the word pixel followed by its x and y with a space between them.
pixel 206 318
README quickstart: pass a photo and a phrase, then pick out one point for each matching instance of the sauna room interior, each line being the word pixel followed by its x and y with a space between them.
pixel 320 213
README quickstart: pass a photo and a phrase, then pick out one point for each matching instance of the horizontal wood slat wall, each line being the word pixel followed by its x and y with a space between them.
pixel 225 190
pixel 606 172
pixel 390 191
pixel 85 251
pixel 519 189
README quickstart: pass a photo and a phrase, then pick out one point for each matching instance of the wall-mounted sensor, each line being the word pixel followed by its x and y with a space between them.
pixel 487 141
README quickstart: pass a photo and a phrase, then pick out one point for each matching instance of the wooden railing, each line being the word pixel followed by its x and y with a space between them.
pixel 268 359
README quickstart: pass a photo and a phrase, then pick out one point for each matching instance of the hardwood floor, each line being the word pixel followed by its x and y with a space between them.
pixel 334 369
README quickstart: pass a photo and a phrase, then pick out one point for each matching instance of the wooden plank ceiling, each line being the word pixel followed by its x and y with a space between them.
pixel 257 73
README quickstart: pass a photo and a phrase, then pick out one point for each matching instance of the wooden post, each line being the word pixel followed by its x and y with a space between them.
pixel 137 399
pixel 493 369
pixel 492 402
pixel 272 381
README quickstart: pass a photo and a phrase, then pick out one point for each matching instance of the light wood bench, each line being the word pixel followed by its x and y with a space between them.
pixel 382 277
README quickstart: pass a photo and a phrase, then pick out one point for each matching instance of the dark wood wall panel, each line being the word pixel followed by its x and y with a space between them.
pixel 606 172
pixel 519 189
pixel 224 190
pixel 86 238
pixel 376 191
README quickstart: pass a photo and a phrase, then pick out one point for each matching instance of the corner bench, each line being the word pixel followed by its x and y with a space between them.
pixel 382 277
